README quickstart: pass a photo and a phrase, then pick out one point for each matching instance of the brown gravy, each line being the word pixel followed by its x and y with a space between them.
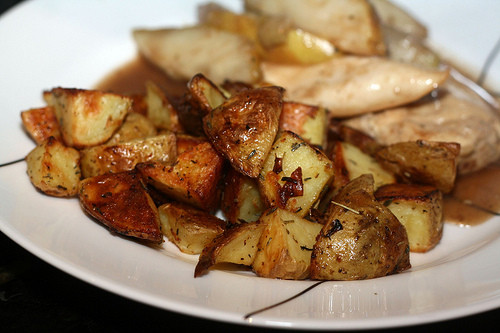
pixel 476 196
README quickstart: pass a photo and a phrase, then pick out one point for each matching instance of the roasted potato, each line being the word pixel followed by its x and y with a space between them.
pixel 121 202
pixel 241 200
pixel 54 168
pixel 87 117
pixel 352 26
pixel 190 229
pixel 236 245
pixel 126 155
pixel 244 127
pixel 295 174
pixel 361 238
pixel 160 110
pixel 193 178
pixel 200 98
pixel 41 123
pixel 422 162
pixel 285 246
pixel 308 121
pixel 184 52
pixel 135 126
pixel 419 208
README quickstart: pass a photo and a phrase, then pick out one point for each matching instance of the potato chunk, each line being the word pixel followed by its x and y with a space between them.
pixel 193 178
pixel 419 208
pixel 236 245
pixel 307 121
pixel 361 238
pixel 241 199
pixel 125 156
pixel 422 162
pixel 41 123
pixel 190 229
pixel 87 117
pixel 295 174
pixel 160 110
pixel 135 126
pixel 244 127
pixel 121 202
pixel 285 246
pixel 54 168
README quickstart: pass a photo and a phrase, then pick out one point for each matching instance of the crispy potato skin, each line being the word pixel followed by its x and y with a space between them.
pixel 125 156
pixel 244 127
pixel 193 178
pixel 120 201
pixel 363 242
pixel 41 123
pixel 422 162
pixel 87 117
pixel 419 208
pixel 190 229
pixel 54 168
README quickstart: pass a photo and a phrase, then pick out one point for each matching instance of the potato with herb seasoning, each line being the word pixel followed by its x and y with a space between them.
pixel 54 168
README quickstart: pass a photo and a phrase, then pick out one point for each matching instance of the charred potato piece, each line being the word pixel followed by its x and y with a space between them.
pixel 241 200
pixel 295 174
pixel 160 110
pixel 125 156
pixel 201 97
pixel 121 202
pixel 361 239
pixel 192 179
pixel 87 117
pixel 54 168
pixel 190 229
pixel 184 52
pixel 135 126
pixel 419 208
pixel 41 123
pixel 422 162
pixel 236 245
pixel 307 121
pixel 243 128
pixel 352 26
pixel 285 246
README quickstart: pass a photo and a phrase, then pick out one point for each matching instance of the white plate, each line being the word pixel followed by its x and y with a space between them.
pixel 68 43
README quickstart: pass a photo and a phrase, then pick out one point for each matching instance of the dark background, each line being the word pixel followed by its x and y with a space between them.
pixel 35 296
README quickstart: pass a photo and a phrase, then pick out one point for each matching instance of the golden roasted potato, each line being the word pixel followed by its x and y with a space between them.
pixel 193 178
pixel 422 162
pixel 361 238
pixel 184 52
pixel 285 246
pixel 54 168
pixel 126 155
pixel 160 110
pixel 236 245
pixel 241 200
pixel 135 126
pixel 307 121
pixel 337 131
pixel 41 123
pixel 187 142
pixel 352 25
pixel 351 162
pixel 244 127
pixel 87 117
pixel 200 98
pixel 121 202
pixel 419 208
pixel 295 174
pixel 190 229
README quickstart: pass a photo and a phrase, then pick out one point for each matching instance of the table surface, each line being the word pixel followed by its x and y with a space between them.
pixel 36 296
